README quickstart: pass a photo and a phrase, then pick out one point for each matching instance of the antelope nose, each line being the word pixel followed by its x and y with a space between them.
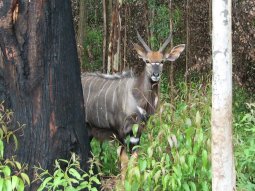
pixel 155 74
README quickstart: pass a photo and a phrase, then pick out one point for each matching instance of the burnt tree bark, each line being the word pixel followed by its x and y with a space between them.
pixel 40 80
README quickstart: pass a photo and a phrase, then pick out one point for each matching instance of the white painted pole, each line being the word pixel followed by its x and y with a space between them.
pixel 223 175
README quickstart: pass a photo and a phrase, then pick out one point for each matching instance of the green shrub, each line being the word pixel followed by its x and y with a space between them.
pixel 174 151
pixel 12 173
pixel 108 160
pixel 244 127
pixel 71 178
pixel 92 61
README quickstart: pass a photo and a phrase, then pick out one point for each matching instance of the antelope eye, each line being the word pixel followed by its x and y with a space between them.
pixel 147 61
pixel 162 62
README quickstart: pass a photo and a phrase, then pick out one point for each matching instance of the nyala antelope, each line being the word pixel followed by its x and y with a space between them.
pixel 114 103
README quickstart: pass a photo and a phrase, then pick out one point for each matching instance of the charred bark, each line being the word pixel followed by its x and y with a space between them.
pixel 39 76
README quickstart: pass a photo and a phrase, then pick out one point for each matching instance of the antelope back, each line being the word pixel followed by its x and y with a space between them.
pixel 108 100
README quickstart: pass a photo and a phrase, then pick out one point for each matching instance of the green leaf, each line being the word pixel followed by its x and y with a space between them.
pixel 150 152
pixel 70 188
pixel 15 142
pixel 63 160
pixel 157 175
pixel 7 171
pixel 8 184
pixel 204 158
pixel 198 119
pixel 191 160
pixel 165 181
pixel 83 185
pixel 142 165
pixel 45 182
pixel 21 186
pixel 75 173
pixel 85 175
pixel 135 129
pixel 1 134
pixel 58 173
pixel 94 189
pixel 4 128
pixel 10 133
pixel 57 181
pixel 186 187
pixel 94 179
pixel 205 186
pixel 135 186
pixel 136 172
pixel 15 182
pixel 200 136
pixel 188 122
pixel 1 183
pixel 1 149
pixel 18 165
pixel 193 186
pixel 25 178
pixel 127 186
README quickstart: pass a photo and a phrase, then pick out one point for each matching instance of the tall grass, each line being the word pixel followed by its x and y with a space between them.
pixel 174 153
pixel 244 143
pixel 175 146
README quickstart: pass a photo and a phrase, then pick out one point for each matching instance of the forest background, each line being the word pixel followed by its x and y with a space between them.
pixel 174 153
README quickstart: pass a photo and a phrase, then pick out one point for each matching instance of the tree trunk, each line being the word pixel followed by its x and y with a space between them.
pixel 40 81
pixel 124 67
pixel 114 60
pixel 187 47
pixel 223 176
pixel 81 30
pixel 171 68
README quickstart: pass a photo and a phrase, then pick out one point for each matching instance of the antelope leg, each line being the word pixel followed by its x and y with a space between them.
pixel 123 163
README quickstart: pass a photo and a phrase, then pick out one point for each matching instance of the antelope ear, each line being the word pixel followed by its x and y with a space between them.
pixel 175 52
pixel 140 51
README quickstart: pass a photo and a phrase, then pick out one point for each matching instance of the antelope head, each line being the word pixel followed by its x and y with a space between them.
pixel 154 59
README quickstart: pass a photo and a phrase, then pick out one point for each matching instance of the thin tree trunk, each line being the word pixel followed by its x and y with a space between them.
pixel 105 35
pixel 117 60
pixel 40 74
pixel 115 39
pixel 147 23
pixel 223 176
pixel 187 42
pixel 96 11
pixel 171 72
pixel 152 29
pixel 82 30
pixel 125 38
pixel 109 26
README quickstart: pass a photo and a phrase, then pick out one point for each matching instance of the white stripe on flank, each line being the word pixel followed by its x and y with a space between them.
pixel 126 94
pixel 106 113
pixel 141 110
pixel 84 83
pixel 98 99
pixel 113 96
pixel 88 100
pixel 83 92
